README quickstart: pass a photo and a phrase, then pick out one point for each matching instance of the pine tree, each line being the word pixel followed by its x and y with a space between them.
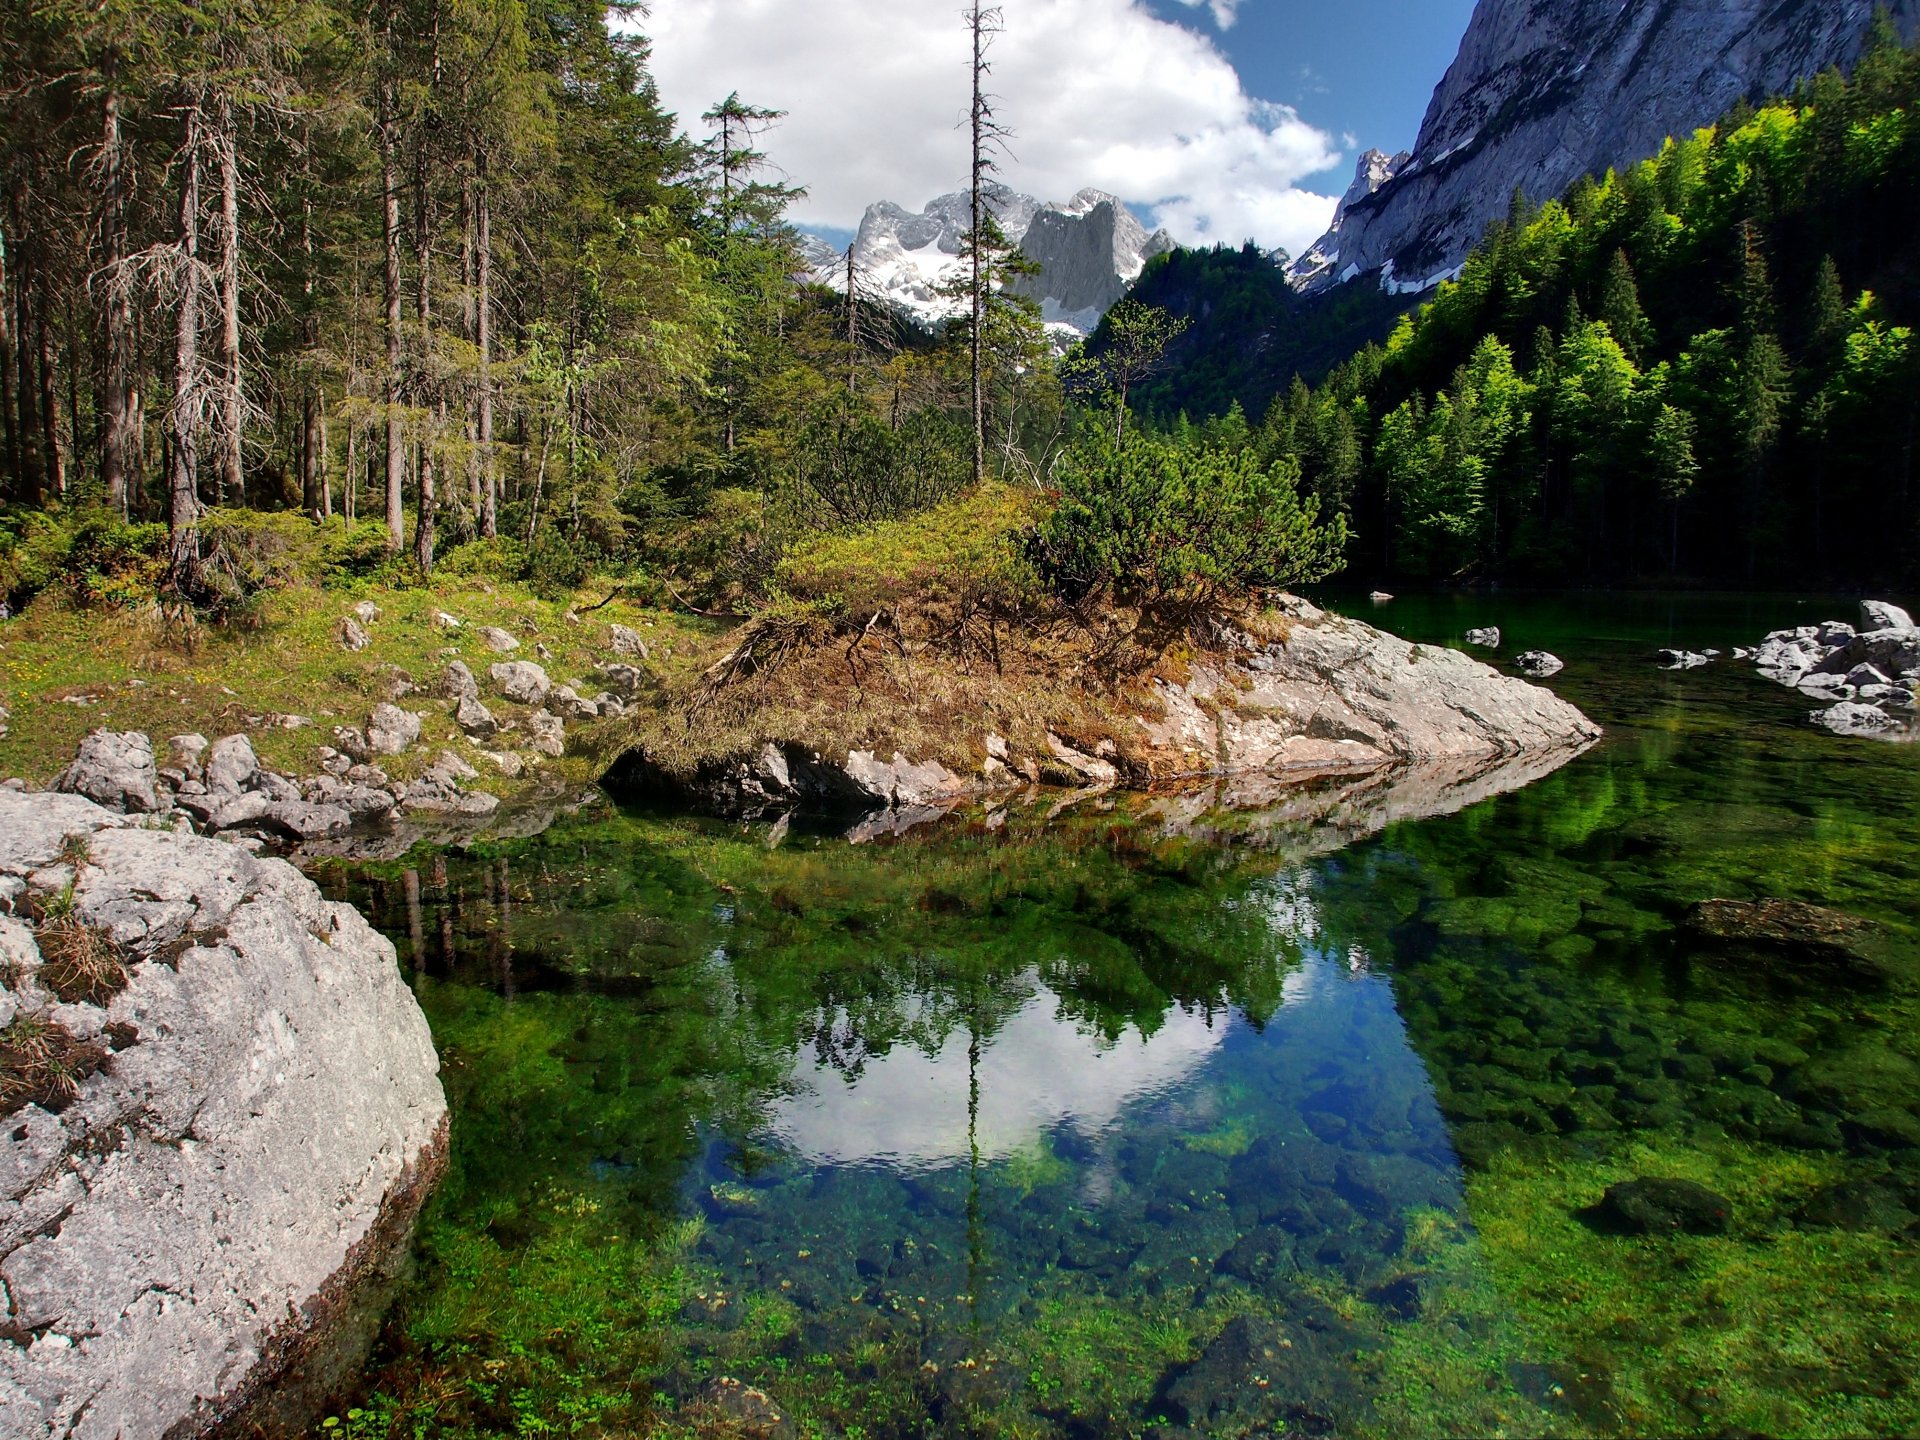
pixel 1620 308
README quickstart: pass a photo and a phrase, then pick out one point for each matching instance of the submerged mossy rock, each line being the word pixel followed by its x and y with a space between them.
pixel 1664 1207
pixel 187 1223
pixel 1789 939
pixel 1262 1373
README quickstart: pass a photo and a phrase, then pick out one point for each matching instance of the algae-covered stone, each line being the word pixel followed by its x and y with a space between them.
pixel 1665 1207
pixel 1789 938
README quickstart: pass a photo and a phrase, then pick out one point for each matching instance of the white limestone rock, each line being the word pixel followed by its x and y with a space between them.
pixel 276 1116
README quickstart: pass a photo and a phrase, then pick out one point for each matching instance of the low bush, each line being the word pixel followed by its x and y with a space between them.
pixel 93 555
pixel 1177 528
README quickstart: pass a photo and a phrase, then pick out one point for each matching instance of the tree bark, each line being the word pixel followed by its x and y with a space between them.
pixel 183 507
pixel 25 422
pixel 483 335
pixel 52 445
pixel 117 435
pixel 390 225
pixel 9 414
pixel 233 482
pixel 423 529
pixel 977 292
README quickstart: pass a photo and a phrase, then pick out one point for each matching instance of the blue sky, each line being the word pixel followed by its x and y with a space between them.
pixel 1359 68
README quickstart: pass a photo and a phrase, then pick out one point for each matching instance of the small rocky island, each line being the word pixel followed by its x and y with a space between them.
pixel 1294 692
pixel 223 1111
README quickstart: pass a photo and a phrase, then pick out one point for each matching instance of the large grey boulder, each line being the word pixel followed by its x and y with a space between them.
pixel 232 766
pixel 497 640
pixel 1339 694
pixel 259 1140
pixel 522 682
pixel 626 641
pixel 474 718
pixel 547 734
pixel 625 681
pixel 459 681
pixel 391 730
pixel 1070 766
pixel 114 769
pixel 900 783
pixel 1879 615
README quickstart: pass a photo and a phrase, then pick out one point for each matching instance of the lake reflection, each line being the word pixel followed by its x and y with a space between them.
pixel 910 1109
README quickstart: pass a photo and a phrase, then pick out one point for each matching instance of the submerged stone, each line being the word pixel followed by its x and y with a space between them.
pixel 1787 937
pixel 1664 1207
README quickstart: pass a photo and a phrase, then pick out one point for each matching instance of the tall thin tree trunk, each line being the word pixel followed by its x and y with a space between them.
pixel 390 225
pixel 51 444
pixel 32 478
pixel 326 479
pixel 183 508
pixel 350 484
pixel 117 343
pixel 977 292
pixel 483 334
pixel 423 530
pixel 9 415
pixel 313 450
pixel 233 481
pixel 469 329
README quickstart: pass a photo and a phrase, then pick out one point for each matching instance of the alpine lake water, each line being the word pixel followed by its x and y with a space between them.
pixel 1098 1124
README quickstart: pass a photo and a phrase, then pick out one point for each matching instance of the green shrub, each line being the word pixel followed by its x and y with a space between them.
pixel 94 555
pixel 1179 528
pixel 501 559
pixel 851 468
pixel 352 554
pixel 554 566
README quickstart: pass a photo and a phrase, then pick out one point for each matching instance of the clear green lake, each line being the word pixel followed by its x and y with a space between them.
pixel 1132 1118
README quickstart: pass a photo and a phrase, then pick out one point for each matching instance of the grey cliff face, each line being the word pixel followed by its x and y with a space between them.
pixel 258 1119
pixel 1545 91
pixel 1089 250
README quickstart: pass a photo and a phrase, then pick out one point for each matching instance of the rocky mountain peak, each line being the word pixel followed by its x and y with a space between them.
pixel 1089 250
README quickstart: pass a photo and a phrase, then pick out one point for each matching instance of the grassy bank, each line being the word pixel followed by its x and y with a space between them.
pixel 91 650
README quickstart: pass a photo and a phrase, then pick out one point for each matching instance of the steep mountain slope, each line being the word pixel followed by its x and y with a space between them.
pixel 1089 251
pixel 1545 91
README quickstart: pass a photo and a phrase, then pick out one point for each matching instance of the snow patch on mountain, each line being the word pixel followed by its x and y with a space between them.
pixel 1089 251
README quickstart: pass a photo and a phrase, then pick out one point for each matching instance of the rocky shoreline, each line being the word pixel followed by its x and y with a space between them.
pixel 1864 677
pixel 223 1109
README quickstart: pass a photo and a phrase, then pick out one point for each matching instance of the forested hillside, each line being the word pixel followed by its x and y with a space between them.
pixel 1702 367
pixel 1249 331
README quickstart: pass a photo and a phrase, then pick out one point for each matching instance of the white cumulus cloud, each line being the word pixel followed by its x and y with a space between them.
pixel 1097 92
